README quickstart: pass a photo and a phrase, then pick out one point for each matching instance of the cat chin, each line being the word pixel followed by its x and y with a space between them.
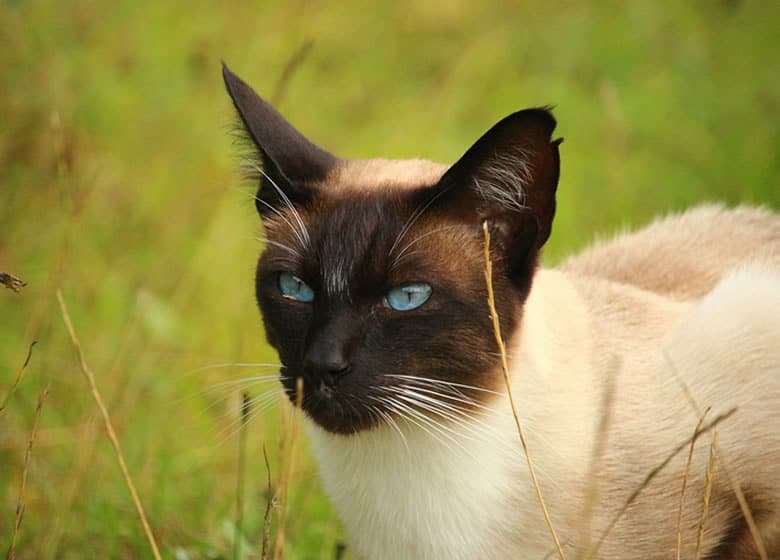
pixel 337 417
pixel 339 424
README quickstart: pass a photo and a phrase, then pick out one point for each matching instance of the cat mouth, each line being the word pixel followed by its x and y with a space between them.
pixel 336 416
pixel 332 408
pixel 351 408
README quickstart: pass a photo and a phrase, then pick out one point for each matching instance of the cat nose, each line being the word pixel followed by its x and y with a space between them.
pixel 325 363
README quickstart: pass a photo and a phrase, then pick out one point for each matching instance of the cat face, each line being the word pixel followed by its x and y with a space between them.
pixel 372 285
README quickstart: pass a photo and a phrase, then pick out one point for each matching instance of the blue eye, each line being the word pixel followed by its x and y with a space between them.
pixel 408 296
pixel 293 287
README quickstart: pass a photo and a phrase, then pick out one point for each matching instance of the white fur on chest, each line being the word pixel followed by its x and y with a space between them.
pixel 427 498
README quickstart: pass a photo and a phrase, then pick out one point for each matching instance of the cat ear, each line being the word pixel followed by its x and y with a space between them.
pixel 290 162
pixel 509 178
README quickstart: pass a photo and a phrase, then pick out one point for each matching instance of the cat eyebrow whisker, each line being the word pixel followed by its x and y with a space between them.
pixel 303 230
pixel 414 217
pixel 282 246
pixel 283 218
pixel 279 214
pixel 403 251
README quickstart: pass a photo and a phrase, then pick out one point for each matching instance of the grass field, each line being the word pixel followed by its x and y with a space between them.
pixel 119 187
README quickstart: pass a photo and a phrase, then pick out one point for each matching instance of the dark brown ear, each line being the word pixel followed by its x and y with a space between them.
pixel 509 178
pixel 289 161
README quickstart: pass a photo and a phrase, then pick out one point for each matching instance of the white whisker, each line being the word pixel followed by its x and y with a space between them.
pixel 413 218
pixel 294 252
pixel 302 227
pixel 451 435
pixel 455 396
pixel 417 239
pixel 247 381
pixel 432 408
pixel 408 414
pixel 442 382
pixel 462 417
pixel 219 390
pixel 234 364
pixel 256 406
pixel 280 215
pixel 225 392
pixel 391 422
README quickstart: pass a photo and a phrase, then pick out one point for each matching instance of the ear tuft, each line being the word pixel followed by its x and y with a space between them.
pixel 509 178
pixel 512 168
pixel 289 160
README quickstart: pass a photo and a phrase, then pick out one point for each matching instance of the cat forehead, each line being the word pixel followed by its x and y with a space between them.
pixel 356 197
pixel 367 175
pixel 367 240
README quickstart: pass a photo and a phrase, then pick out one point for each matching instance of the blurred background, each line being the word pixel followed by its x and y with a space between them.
pixel 119 187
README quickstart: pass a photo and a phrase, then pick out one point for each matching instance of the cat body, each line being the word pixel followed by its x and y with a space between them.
pixel 373 291
pixel 468 494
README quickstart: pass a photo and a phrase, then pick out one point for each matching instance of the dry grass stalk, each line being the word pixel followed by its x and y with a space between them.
pixel 707 494
pixel 685 480
pixel 19 376
pixel 268 508
pixel 733 484
pixel 744 507
pixel 238 536
pixel 652 474
pixel 25 471
pixel 108 425
pixel 88 437
pixel 289 435
pixel 599 447
pixel 505 368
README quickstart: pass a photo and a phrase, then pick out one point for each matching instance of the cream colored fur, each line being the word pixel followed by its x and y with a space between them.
pixel 357 175
pixel 690 303
pixel 683 255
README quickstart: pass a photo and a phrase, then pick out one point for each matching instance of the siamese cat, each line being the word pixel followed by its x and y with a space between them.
pixel 372 289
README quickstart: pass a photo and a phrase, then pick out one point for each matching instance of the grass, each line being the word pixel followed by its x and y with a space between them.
pixel 20 506
pixel 90 377
pixel 505 370
pixel 118 186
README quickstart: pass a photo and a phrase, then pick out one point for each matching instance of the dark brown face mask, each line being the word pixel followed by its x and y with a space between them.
pixel 365 291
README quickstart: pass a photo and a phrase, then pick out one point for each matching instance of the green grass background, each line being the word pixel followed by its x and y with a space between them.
pixel 118 185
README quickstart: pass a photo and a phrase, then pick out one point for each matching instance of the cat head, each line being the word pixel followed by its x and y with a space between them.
pixel 372 285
